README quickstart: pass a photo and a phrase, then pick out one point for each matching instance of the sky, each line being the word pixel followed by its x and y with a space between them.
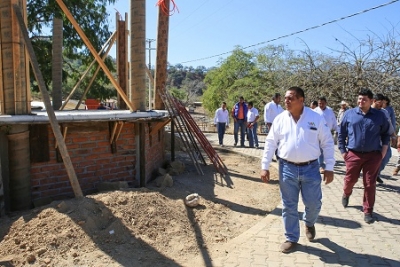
pixel 205 31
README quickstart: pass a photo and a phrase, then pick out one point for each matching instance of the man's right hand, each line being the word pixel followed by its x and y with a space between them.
pixel 264 176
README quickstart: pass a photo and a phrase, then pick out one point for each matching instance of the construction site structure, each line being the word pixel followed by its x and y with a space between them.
pixel 52 152
pixel 56 154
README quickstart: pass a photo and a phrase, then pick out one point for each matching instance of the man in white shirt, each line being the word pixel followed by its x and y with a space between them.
pixel 331 121
pixel 252 118
pixel 299 134
pixel 221 120
pixel 272 109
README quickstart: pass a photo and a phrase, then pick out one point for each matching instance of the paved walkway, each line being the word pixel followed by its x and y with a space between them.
pixel 343 238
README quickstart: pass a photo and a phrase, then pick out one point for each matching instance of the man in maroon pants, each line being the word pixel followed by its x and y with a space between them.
pixel 363 139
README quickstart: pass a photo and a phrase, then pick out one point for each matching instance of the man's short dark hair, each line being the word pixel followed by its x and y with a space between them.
pixel 276 95
pixel 366 92
pixel 322 98
pixel 250 103
pixel 387 100
pixel 224 103
pixel 379 97
pixel 298 90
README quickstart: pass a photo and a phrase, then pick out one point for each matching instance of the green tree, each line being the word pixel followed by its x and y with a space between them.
pixel 237 76
pixel 92 17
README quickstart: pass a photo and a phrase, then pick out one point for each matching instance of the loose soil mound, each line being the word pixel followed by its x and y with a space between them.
pixel 142 227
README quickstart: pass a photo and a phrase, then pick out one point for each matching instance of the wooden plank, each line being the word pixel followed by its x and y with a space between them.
pixel 57 63
pixel 94 53
pixel 49 108
pixel 159 125
pixel 122 57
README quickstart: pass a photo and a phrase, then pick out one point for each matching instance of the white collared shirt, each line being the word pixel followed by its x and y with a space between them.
pixel 271 110
pixel 301 141
pixel 329 116
pixel 221 116
pixel 252 114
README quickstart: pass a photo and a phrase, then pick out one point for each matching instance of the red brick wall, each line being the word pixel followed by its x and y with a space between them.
pixel 91 155
pixel 155 158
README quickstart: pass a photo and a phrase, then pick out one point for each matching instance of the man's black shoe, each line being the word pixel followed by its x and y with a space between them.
pixel 368 218
pixel 288 246
pixel 379 180
pixel 310 232
pixel 345 201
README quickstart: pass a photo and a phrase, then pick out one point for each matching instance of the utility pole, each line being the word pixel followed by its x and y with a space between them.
pixel 149 41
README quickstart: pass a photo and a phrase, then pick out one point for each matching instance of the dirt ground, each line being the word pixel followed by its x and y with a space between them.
pixel 143 226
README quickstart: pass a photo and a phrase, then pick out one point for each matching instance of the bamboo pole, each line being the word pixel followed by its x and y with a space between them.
pixel 49 108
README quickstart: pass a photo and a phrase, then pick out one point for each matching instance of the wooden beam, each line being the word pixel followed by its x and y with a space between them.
pixel 119 130
pixel 94 53
pixel 159 125
pixel 109 42
pixel 49 108
pixel 65 130
pixel 114 130
pixel 122 56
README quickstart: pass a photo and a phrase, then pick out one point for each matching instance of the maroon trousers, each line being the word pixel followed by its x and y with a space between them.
pixel 369 163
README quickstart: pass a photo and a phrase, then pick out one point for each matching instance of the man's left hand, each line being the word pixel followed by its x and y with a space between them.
pixel 328 176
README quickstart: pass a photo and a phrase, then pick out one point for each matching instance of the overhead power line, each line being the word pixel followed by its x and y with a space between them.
pixel 301 31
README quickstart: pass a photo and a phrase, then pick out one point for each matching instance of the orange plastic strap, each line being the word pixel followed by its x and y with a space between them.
pixel 169 12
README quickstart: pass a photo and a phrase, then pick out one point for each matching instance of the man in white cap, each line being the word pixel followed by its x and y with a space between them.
pixel 342 110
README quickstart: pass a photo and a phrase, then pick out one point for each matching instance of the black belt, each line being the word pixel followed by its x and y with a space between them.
pixel 364 152
pixel 299 163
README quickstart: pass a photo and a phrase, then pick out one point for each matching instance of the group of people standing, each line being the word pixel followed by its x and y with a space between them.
pixel 245 117
pixel 302 139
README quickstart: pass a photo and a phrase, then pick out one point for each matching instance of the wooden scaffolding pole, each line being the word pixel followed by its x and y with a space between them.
pixel 49 108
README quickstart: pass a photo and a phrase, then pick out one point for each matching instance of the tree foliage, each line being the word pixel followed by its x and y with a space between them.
pixel 186 82
pixel 237 76
pixel 92 17
pixel 372 63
